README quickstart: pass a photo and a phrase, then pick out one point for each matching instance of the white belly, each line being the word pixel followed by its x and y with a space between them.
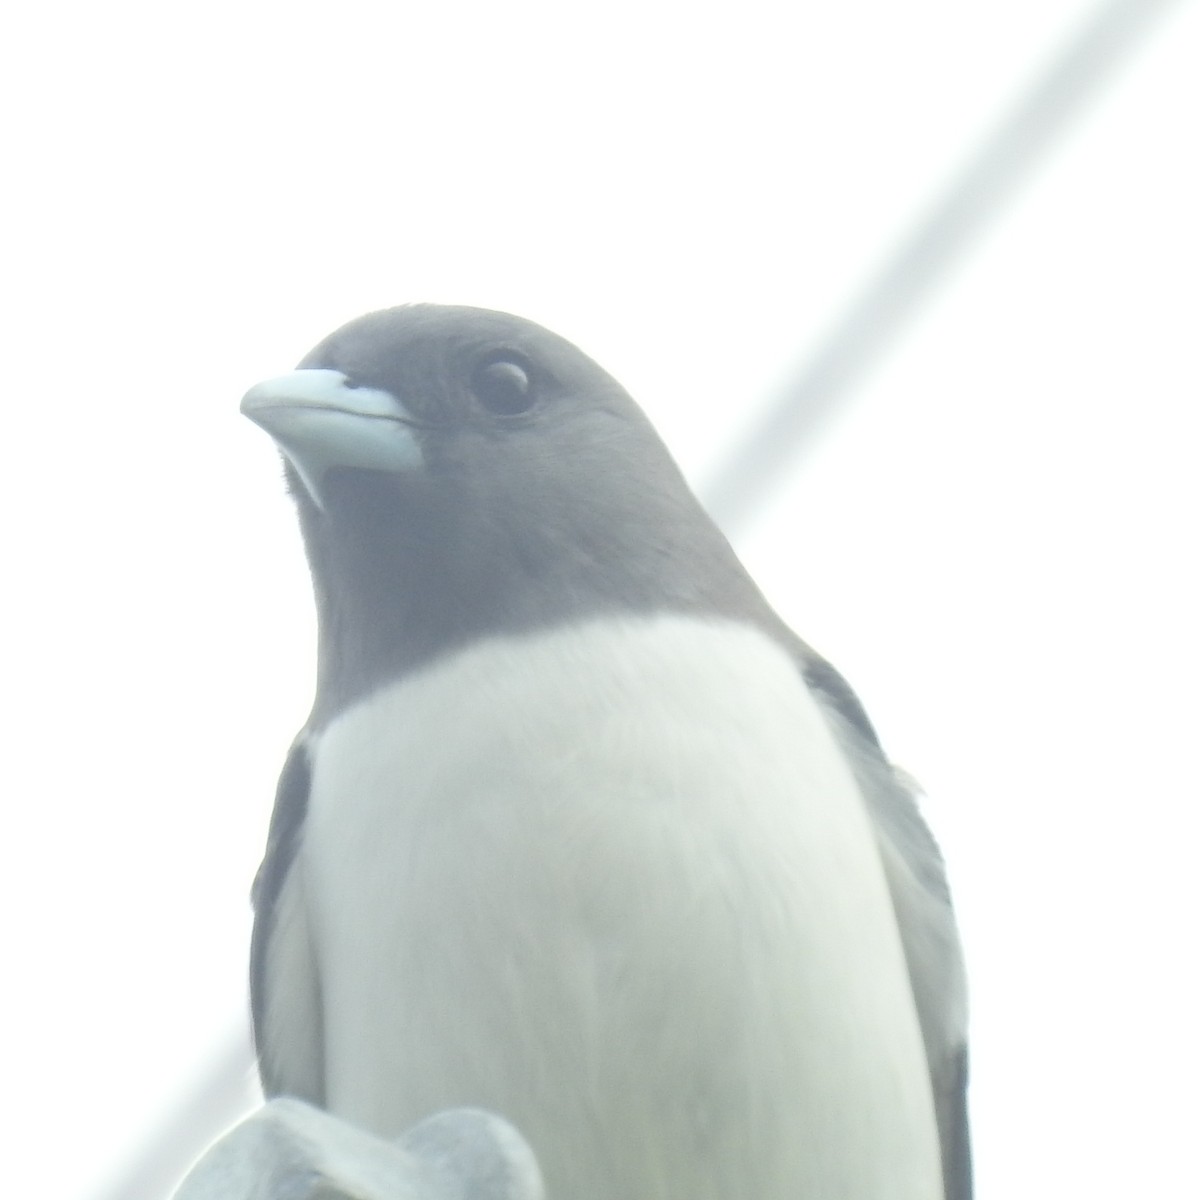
pixel 617 883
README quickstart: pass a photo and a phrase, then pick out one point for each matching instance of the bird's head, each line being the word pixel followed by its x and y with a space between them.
pixel 460 472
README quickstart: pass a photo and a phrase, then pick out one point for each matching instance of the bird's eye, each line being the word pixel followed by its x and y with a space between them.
pixel 503 387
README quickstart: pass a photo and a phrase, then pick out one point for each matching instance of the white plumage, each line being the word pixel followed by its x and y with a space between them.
pixel 617 882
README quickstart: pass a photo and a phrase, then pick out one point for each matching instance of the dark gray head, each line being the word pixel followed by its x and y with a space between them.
pixel 460 473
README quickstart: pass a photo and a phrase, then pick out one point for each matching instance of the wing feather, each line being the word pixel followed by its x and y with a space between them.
pixel 916 877
pixel 285 992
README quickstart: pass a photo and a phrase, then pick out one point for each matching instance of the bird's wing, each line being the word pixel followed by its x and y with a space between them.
pixel 916 877
pixel 285 994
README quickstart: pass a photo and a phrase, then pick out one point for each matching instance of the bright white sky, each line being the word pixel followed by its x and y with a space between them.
pixel 996 541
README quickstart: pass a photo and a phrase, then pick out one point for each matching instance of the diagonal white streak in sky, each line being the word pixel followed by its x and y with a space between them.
pixel 1007 157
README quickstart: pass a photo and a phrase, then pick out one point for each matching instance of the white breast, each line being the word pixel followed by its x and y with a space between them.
pixel 617 883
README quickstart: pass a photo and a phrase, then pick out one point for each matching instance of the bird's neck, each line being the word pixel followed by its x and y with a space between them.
pixel 406 593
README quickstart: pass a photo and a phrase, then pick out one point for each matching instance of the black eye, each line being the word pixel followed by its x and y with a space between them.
pixel 503 386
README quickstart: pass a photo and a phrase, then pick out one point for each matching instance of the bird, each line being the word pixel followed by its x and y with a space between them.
pixel 578 830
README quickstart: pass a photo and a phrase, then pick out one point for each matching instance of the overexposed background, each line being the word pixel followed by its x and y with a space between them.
pixel 992 531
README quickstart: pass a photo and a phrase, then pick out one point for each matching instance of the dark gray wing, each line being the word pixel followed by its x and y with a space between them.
pixel 285 994
pixel 916 876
